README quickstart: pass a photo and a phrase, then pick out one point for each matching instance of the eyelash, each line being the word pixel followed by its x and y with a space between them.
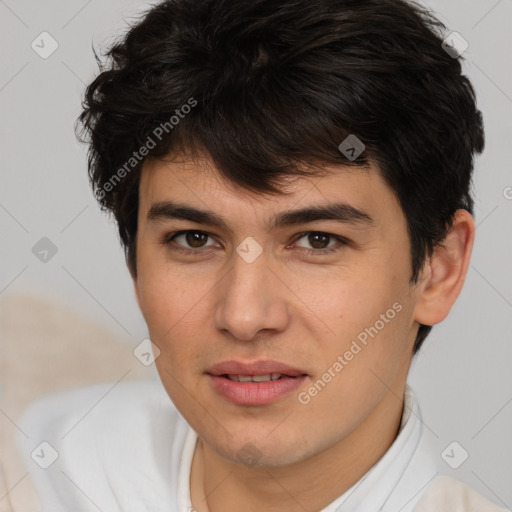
pixel 309 252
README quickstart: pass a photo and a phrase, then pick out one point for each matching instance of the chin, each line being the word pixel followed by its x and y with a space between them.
pixel 259 451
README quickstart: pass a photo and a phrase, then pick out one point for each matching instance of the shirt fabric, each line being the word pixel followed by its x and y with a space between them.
pixel 126 448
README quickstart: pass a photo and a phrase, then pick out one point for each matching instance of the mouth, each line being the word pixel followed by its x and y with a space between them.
pixel 255 378
pixel 256 383
pixel 259 368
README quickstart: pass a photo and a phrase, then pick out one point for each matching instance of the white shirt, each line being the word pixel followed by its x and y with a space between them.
pixel 127 449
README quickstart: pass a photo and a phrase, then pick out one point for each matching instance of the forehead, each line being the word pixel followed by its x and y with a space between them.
pixel 196 181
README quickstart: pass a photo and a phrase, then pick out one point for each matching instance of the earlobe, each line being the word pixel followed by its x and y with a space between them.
pixel 444 273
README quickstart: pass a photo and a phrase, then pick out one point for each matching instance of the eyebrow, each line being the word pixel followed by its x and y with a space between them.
pixel 339 212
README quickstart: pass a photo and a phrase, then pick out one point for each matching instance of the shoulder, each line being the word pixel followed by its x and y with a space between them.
pixel 448 494
pixel 93 412
pixel 100 442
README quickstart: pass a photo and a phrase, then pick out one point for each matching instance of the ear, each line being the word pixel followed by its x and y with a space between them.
pixel 445 271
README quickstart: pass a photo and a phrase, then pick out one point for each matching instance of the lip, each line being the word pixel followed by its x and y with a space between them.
pixel 254 393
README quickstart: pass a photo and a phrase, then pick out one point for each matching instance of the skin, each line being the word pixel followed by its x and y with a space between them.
pixel 287 305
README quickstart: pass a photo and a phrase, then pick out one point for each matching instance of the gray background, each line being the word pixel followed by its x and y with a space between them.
pixel 462 377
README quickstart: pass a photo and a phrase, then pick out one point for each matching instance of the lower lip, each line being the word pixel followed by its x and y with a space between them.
pixel 255 393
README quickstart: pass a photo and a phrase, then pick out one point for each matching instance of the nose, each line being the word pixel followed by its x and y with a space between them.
pixel 251 300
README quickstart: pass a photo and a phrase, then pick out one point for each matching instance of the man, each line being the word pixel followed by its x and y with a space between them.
pixel 291 184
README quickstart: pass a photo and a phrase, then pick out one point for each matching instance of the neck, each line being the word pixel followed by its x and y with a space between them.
pixel 219 485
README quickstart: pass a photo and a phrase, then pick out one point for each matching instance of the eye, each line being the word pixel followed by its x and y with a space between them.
pixel 190 241
pixel 195 241
pixel 321 242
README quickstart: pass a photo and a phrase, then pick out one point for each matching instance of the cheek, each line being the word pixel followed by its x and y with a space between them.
pixel 177 309
pixel 166 293
pixel 348 302
pixel 367 348
pixel 369 320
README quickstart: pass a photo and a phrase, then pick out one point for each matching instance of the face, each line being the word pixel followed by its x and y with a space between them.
pixel 309 289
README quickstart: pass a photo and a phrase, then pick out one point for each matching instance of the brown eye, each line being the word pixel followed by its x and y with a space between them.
pixel 189 240
pixel 315 240
pixel 318 240
pixel 196 238
pixel 317 243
